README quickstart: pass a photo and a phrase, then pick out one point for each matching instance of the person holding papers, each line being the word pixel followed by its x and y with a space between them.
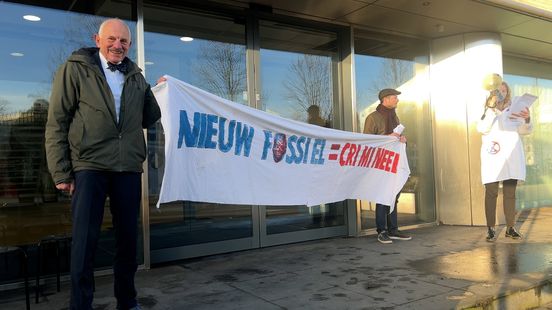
pixel 502 156
pixel 384 121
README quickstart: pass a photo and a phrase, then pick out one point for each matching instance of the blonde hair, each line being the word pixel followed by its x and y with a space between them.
pixel 500 105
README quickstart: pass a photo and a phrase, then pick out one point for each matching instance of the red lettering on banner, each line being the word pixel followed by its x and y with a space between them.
pixel 395 162
pixel 358 148
pixel 384 159
pixel 369 157
pixel 377 159
pixel 342 161
pixel 365 157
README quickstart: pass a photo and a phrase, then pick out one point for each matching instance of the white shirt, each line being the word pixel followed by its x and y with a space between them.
pixel 116 80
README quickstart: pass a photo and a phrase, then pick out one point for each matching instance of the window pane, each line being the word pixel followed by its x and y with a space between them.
pixel 211 57
pixel 535 191
pixel 30 206
pixel 297 82
pixel 400 63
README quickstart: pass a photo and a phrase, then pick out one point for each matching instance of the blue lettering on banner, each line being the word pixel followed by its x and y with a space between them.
pixel 202 133
pixel 210 131
pixel 318 151
pixel 186 133
pixel 225 147
pixel 243 139
pixel 267 143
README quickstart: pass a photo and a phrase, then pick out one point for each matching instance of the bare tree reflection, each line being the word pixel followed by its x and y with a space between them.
pixel 392 74
pixel 309 83
pixel 78 32
pixel 4 105
pixel 220 69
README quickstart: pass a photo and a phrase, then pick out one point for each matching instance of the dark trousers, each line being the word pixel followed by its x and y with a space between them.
pixel 91 190
pixel 385 220
pixel 509 200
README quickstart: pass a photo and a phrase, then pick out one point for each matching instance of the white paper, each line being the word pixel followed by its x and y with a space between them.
pixel 522 102
pixel 399 129
pixel 519 103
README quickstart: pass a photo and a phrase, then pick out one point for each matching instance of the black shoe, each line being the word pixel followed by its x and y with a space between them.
pixel 399 235
pixel 491 234
pixel 511 232
pixel 383 237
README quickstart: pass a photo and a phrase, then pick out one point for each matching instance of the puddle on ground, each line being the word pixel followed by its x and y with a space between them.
pixel 493 262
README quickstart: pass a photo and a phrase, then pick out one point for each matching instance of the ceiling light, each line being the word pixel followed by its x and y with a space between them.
pixel 186 39
pixel 16 54
pixel 31 18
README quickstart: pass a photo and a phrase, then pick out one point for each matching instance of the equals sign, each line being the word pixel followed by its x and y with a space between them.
pixel 334 147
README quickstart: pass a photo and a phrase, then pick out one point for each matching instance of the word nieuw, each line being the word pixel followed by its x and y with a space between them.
pixel 369 157
pixel 206 134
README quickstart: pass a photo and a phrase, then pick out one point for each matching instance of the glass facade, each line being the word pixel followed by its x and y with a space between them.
pixel 297 81
pixel 31 209
pixel 400 63
pixel 279 64
pixel 526 76
pixel 209 52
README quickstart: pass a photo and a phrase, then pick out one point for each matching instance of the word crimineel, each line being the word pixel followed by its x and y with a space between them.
pixel 211 131
pixel 367 156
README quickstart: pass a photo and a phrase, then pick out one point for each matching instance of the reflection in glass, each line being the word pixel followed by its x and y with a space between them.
pixel 535 191
pixel 213 61
pixel 31 208
pixel 401 64
pixel 297 79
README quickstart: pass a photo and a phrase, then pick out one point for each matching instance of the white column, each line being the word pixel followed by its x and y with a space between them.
pixel 458 66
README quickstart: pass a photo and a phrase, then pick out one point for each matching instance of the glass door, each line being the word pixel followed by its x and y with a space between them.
pixel 298 79
pixel 294 72
pixel 209 52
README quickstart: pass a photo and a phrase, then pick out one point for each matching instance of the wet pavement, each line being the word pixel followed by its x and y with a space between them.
pixel 443 267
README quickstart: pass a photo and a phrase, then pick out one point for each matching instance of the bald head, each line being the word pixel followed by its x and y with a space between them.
pixel 114 40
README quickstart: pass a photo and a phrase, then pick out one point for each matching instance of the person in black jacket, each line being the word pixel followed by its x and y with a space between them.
pixel 95 148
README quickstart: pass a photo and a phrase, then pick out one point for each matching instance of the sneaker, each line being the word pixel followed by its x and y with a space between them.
pixel 511 232
pixel 399 235
pixel 383 237
pixel 491 234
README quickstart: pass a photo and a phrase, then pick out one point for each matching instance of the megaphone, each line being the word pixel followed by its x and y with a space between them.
pixel 492 81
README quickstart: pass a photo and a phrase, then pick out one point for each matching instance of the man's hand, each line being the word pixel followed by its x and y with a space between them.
pixel 66 187
pixel 401 137
pixel 161 80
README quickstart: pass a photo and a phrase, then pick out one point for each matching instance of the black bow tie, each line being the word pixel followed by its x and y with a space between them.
pixel 122 67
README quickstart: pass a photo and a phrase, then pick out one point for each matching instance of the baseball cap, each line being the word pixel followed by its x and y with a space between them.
pixel 388 92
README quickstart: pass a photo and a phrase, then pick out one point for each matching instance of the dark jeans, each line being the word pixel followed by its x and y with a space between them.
pixel 91 190
pixel 385 220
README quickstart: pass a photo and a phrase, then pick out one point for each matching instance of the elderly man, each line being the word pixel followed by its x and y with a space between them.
pixel 95 147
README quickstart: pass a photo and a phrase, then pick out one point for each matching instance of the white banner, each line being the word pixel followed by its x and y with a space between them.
pixel 223 152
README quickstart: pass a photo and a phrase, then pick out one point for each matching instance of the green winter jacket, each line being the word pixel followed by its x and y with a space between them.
pixel 82 132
